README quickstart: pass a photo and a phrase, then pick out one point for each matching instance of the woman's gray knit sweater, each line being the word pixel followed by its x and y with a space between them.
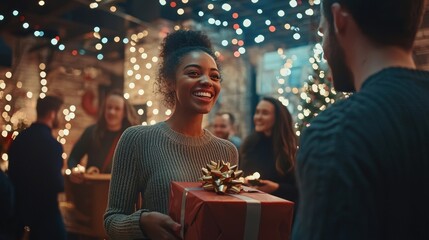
pixel 146 160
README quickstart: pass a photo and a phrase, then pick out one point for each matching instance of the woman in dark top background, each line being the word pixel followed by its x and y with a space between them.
pixel 99 140
pixel 271 150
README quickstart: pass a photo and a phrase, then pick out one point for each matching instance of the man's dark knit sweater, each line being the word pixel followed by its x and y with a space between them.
pixel 363 164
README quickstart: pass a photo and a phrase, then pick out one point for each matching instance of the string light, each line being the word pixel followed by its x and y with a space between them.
pixel 241 27
pixel 317 93
pixel 140 59
pixel 69 115
pixel 56 41
pixel 43 80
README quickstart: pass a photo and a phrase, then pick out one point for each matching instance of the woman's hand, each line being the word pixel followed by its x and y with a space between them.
pixel 156 225
pixel 267 186
pixel 77 177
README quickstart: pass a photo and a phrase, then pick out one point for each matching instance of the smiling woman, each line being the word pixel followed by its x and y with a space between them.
pixel 148 158
pixel 271 150
pixel 197 74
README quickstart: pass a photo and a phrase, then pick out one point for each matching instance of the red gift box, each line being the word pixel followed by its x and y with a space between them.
pixel 247 215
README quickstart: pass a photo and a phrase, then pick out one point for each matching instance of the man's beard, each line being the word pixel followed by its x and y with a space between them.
pixel 341 74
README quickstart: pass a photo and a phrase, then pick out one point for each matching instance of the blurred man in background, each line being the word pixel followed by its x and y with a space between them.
pixel 35 163
pixel 223 127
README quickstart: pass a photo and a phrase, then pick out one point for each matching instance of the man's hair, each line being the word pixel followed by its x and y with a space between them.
pixel 230 116
pixel 385 22
pixel 47 104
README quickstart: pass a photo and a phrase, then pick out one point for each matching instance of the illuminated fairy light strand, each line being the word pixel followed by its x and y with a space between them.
pixel 11 123
pixel 140 74
pixel 7 109
pixel 43 80
pixel 69 115
pixel 56 41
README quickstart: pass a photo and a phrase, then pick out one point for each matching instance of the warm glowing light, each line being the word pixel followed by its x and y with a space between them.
pixel 93 5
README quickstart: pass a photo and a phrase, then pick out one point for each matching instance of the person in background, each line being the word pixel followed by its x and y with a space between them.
pixel 99 140
pixel 7 207
pixel 363 163
pixel 270 150
pixel 148 158
pixel 223 127
pixel 35 164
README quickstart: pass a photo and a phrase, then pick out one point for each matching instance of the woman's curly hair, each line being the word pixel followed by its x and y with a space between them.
pixel 173 48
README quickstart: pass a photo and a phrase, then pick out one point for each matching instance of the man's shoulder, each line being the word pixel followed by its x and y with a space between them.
pixel 33 131
pixel 341 119
pixel 235 140
pixel 333 115
pixel 353 109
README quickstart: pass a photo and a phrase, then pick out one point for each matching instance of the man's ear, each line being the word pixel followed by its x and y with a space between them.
pixel 52 114
pixel 341 18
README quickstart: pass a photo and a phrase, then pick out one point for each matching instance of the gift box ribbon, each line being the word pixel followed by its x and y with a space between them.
pixel 182 210
pixel 253 214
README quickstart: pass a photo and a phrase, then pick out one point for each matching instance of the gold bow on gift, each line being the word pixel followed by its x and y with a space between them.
pixel 222 178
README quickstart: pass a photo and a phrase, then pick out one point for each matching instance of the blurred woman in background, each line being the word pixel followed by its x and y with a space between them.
pixel 99 140
pixel 270 150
